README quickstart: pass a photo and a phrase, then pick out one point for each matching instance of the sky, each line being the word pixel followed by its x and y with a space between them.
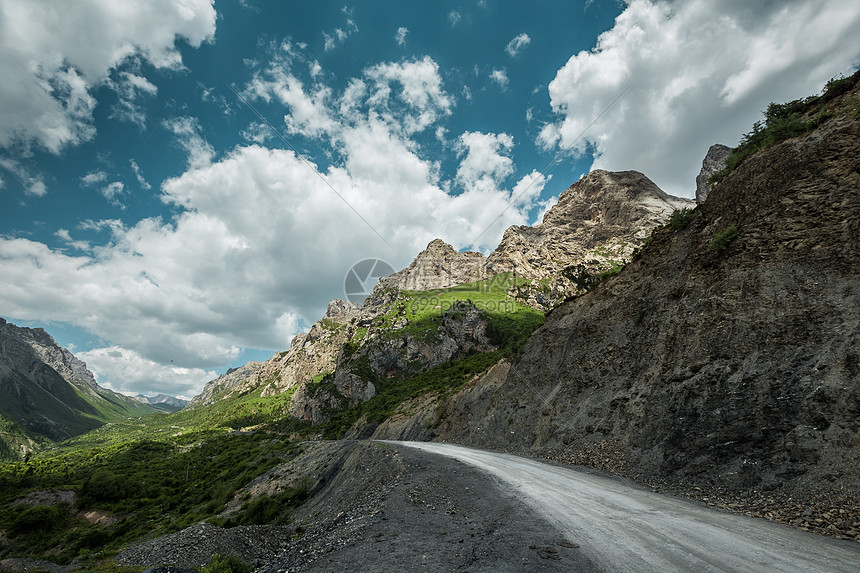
pixel 185 184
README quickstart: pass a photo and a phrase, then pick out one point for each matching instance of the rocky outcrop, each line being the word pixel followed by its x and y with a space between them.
pixel 234 377
pixel 388 351
pixel 597 224
pixel 437 266
pixel 60 359
pixel 714 161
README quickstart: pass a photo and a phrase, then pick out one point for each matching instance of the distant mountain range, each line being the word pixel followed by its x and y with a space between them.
pixel 162 402
pixel 48 395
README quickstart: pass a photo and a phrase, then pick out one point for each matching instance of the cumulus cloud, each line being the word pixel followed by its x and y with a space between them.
pixel 700 71
pixel 57 52
pixel 500 77
pixel 124 370
pixel 454 17
pixel 227 273
pixel 400 35
pixel 517 44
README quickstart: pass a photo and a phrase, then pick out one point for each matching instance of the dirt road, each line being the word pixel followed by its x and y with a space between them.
pixel 623 527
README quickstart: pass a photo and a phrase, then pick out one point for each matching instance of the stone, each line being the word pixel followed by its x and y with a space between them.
pixel 713 162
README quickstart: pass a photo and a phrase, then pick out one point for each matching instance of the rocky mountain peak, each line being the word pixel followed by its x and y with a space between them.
pixel 597 223
pixel 713 162
pixel 437 266
pixel 46 348
pixel 613 198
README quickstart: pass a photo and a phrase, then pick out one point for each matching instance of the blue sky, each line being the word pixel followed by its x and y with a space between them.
pixel 153 222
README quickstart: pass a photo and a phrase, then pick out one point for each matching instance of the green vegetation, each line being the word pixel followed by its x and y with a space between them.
pixel 266 510
pixel 392 392
pixel 681 218
pixel 152 488
pixel 722 239
pixel 227 564
pixel 785 120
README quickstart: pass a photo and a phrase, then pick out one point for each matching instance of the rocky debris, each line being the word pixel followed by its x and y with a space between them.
pixel 195 546
pixel 25 565
pixel 389 508
pixel 713 162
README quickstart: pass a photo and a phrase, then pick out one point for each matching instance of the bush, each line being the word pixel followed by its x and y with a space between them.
pixel 681 218
pixel 721 240
pixel 102 486
pixel 231 563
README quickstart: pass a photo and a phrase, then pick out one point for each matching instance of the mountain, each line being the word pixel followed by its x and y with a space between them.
pixel 725 357
pixel 46 394
pixel 162 402
pixel 447 306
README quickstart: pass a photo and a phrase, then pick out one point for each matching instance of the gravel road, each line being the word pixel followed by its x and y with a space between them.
pixel 623 527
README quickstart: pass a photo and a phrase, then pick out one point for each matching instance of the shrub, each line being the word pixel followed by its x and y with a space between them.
pixel 721 240
pixel 681 218
pixel 231 563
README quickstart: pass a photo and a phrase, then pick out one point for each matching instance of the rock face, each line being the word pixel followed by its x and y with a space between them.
pixel 437 266
pixel 597 224
pixel 714 161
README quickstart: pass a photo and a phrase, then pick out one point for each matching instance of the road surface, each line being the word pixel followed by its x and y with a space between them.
pixel 620 527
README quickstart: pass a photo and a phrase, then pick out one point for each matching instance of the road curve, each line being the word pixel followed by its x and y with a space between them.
pixel 620 527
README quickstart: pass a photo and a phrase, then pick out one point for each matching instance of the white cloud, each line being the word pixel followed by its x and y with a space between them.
pixel 190 137
pixel 339 35
pixel 259 243
pixel 517 44
pixel 500 77
pixel 93 177
pixel 257 132
pixel 486 162
pixel 57 52
pixel 454 17
pixel 400 35
pixel 141 180
pixel 33 183
pixel 112 191
pixel 124 370
pixel 700 72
